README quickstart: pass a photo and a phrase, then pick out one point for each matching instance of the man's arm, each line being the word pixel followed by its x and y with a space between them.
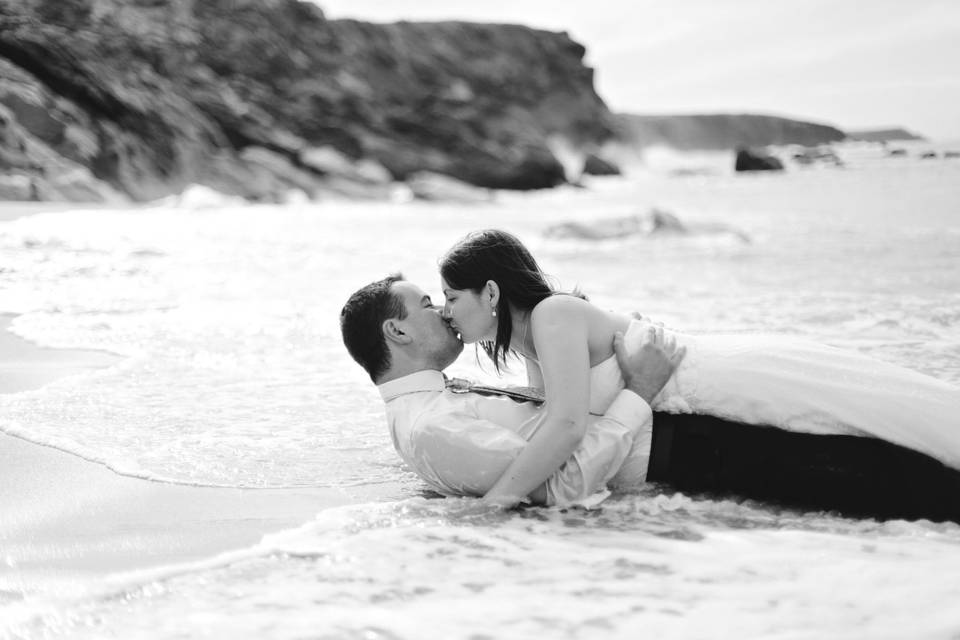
pixel 649 368
pixel 461 454
pixel 582 479
pixel 464 454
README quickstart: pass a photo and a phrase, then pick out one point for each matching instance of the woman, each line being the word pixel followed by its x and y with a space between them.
pixel 497 295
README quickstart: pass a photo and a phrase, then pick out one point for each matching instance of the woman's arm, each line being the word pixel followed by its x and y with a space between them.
pixel 559 328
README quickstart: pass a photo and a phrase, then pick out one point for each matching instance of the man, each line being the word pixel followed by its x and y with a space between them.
pixel 460 443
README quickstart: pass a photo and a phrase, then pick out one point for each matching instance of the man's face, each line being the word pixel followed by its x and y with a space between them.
pixel 431 334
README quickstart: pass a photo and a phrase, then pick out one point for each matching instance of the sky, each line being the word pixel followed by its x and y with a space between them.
pixel 854 64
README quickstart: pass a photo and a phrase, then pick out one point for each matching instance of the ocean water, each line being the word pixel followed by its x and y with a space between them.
pixel 233 374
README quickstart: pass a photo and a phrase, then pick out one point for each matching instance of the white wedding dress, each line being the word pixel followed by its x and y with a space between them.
pixel 800 386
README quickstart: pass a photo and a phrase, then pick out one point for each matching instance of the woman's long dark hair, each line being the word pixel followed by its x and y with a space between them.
pixel 496 255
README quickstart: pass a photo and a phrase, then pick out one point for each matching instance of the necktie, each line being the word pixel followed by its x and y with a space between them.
pixel 520 394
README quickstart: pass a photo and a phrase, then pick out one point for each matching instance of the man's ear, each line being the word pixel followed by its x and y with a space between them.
pixel 492 291
pixel 393 332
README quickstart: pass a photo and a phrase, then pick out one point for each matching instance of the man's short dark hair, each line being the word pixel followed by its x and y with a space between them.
pixel 361 324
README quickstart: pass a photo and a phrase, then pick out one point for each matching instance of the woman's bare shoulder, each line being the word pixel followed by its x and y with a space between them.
pixel 570 306
pixel 561 306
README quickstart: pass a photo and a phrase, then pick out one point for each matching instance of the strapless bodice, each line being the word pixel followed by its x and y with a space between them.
pixel 606 380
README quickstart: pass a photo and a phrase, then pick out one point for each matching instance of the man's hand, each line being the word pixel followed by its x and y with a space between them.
pixel 648 368
pixel 636 315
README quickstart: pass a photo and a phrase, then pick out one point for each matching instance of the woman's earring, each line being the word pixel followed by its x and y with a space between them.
pixel 494 313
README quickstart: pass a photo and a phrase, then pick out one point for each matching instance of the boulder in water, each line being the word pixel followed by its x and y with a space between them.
pixel 748 160
pixel 594 165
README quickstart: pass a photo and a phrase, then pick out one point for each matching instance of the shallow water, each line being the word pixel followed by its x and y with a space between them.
pixel 234 375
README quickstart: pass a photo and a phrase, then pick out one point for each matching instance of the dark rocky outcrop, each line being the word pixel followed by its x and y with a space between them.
pixel 750 160
pixel 594 165
pixel 721 131
pixel 140 98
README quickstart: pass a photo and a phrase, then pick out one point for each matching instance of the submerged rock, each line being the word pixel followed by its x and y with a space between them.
pixel 654 223
pixel 817 156
pixel 603 229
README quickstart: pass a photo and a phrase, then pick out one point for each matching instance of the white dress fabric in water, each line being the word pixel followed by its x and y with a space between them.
pixel 802 386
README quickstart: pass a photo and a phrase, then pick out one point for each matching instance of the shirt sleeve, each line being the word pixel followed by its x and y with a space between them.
pixel 582 480
pixel 459 453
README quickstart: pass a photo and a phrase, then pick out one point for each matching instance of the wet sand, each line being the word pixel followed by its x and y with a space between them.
pixel 64 519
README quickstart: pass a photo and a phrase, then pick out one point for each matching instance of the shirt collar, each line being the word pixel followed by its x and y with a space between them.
pixel 428 380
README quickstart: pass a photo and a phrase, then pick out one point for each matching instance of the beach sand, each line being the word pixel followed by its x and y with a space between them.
pixel 64 519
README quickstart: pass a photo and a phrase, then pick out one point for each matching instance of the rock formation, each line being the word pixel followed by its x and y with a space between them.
pixel 103 99
pixel 750 160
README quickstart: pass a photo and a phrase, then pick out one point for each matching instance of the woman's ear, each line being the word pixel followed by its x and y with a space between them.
pixel 492 291
pixel 393 332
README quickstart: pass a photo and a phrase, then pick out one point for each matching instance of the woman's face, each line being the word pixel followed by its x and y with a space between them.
pixel 470 313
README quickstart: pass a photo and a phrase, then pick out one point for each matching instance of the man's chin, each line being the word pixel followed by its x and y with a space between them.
pixel 456 349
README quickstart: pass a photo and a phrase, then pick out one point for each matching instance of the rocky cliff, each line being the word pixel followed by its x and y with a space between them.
pixel 721 131
pixel 105 99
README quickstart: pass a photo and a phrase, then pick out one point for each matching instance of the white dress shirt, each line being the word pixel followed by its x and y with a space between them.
pixel 461 443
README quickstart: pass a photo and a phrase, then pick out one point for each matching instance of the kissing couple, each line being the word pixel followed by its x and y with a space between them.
pixel 615 401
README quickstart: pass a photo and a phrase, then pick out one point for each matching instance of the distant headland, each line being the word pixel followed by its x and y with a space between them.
pixel 892 134
pixel 722 131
